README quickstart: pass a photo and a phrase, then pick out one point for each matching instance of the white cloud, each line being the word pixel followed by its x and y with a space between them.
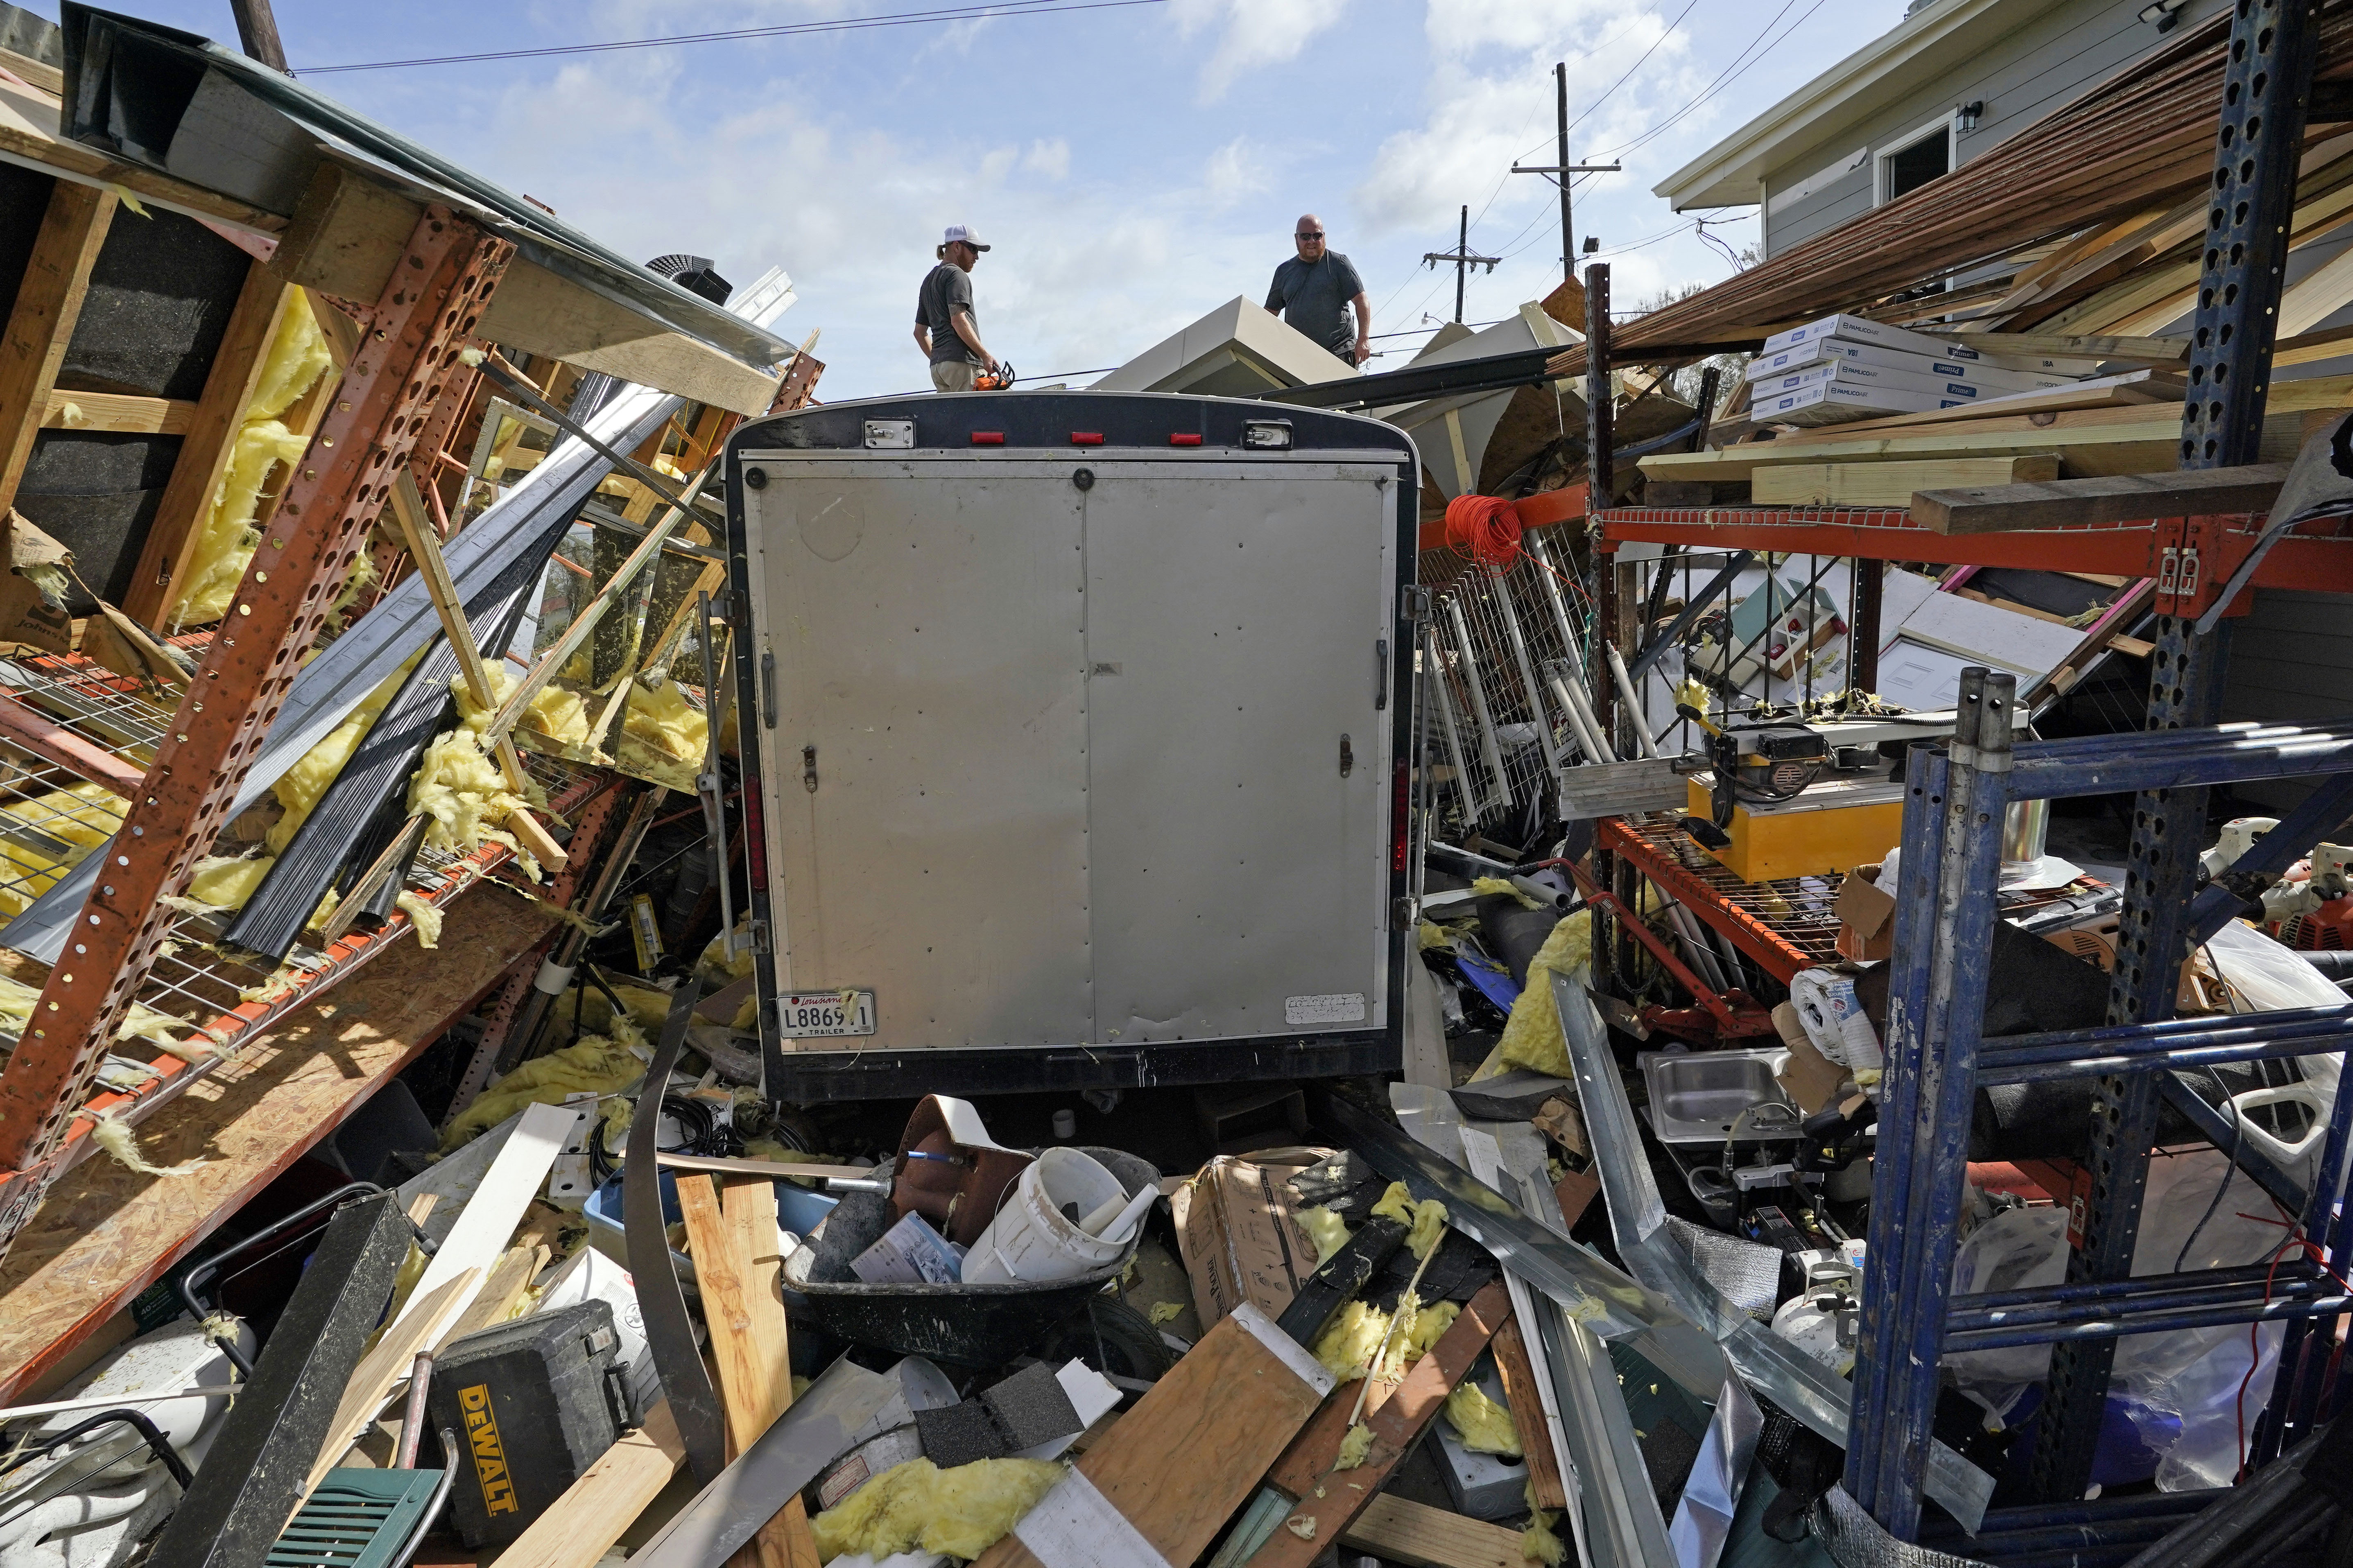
pixel 1049 160
pixel 1257 34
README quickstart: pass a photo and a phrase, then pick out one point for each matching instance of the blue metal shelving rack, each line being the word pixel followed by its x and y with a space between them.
pixel 1956 798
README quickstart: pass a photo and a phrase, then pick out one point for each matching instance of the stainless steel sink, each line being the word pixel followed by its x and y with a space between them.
pixel 1697 1096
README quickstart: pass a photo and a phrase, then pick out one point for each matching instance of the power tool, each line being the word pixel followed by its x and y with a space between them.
pixel 996 380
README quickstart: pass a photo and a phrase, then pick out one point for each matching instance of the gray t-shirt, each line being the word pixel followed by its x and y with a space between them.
pixel 1313 299
pixel 947 290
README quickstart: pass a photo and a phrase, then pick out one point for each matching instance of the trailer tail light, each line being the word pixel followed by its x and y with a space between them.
pixel 1182 439
pixel 988 438
pixel 1401 818
pixel 1086 437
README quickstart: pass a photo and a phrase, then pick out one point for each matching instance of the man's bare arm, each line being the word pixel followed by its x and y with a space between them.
pixel 923 339
pixel 1363 327
pixel 962 321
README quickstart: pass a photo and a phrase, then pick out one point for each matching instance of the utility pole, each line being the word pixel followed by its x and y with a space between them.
pixel 1463 259
pixel 1560 172
pixel 257 33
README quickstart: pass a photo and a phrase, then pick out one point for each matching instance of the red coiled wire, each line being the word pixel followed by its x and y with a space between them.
pixel 1485 528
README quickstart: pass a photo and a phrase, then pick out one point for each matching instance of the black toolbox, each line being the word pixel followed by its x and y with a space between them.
pixel 532 1404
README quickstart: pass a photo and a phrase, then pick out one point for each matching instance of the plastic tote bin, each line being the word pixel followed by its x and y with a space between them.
pixel 799 1210
pixel 964 1325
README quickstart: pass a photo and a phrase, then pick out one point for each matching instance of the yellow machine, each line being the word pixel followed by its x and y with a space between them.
pixel 1834 826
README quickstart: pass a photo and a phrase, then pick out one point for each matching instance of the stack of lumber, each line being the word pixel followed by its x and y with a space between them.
pixel 2033 438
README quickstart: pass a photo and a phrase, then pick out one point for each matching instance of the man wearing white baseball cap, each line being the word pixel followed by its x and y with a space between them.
pixel 945 326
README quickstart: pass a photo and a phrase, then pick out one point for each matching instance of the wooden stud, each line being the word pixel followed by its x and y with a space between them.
pixel 607 1500
pixel 734 1243
pixel 1528 1417
pixel 49 303
pixel 117 413
pixel 1397 1426
pixel 1891 484
pixel 1420 1536
pixel 219 413
pixel 424 549
pixel 2124 497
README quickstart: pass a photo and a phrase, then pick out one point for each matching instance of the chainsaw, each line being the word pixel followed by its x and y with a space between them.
pixel 996 380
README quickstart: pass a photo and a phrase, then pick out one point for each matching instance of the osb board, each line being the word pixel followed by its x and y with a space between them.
pixel 104 1234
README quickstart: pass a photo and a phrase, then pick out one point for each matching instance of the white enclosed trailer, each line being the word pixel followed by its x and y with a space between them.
pixel 1077 734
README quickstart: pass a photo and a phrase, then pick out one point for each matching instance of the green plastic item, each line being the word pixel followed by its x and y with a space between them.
pixel 355 1519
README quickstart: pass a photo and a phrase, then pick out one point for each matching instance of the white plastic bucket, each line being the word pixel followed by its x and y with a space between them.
pixel 1032 1240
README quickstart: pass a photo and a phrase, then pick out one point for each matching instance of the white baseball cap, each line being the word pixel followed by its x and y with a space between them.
pixel 964 234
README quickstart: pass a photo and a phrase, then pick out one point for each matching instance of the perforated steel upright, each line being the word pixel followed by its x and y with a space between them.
pixel 406 355
pixel 2266 83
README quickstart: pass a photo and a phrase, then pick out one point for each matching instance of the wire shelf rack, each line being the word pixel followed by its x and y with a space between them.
pixel 1784 926
pixel 217 999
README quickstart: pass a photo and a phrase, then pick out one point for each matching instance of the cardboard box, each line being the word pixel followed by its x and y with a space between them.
pixel 1866 917
pixel 1873 362
pixel 1238 1236
pixel 1829 401
pixel 1809 1079
pixel 1860 330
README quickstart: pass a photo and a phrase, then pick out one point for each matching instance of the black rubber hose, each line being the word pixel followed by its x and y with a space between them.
pixel 156 1442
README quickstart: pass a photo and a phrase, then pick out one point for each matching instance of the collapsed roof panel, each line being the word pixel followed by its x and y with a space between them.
pixel 183 106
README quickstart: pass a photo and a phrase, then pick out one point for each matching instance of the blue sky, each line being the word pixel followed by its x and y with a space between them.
pixel 1133 166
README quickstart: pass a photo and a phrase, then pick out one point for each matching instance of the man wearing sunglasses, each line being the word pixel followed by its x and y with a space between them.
pixel 1315 291
pixel 946 327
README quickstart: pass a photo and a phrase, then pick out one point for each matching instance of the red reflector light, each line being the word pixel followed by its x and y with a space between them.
pixel 1181 439
pixel 1086 437
pixel 988 438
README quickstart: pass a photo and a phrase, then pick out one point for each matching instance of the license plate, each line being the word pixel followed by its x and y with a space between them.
pixel 805 1015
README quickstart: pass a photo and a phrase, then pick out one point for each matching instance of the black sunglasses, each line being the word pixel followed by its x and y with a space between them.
pixel 1316 235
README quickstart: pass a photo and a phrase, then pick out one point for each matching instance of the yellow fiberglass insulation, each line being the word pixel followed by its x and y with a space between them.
pixel 716 969
pixel 1427 1218
pixel 664 723
pixel 424 914
pixel 1484 1427
pixel 1348 1346
pixel 918 1507
pixel 1500 886
pixel 593 1064
pixel 556 713
pixel 1532 1033
pixel 225 882
pixel 1537 1541
pixel 85 817
pixel 19 999
pixel 315 769
pixel 298 357
pixel 1354 1447
pixel 1327 1230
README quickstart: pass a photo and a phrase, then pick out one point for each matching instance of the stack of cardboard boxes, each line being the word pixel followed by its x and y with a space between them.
pixel 1848 367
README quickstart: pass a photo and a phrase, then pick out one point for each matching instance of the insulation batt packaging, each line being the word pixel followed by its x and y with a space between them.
pixel 1240 1233
pixel 1865 359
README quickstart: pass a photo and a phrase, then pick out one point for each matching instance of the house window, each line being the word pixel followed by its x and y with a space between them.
pixel 1915 159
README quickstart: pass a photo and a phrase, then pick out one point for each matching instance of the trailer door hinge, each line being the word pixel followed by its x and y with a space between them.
pixel 1380 673
pixel 768 689
pixel 1347 757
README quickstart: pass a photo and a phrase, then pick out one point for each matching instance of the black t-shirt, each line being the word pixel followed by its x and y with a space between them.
pixel 946 291
pixel 1313 299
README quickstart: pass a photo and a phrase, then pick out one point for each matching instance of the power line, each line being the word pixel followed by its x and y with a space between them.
pixel 1728 75
pixel 1614 85
pixel 786 29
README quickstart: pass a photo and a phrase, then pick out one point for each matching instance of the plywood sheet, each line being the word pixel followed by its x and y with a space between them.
pixel 106 1233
